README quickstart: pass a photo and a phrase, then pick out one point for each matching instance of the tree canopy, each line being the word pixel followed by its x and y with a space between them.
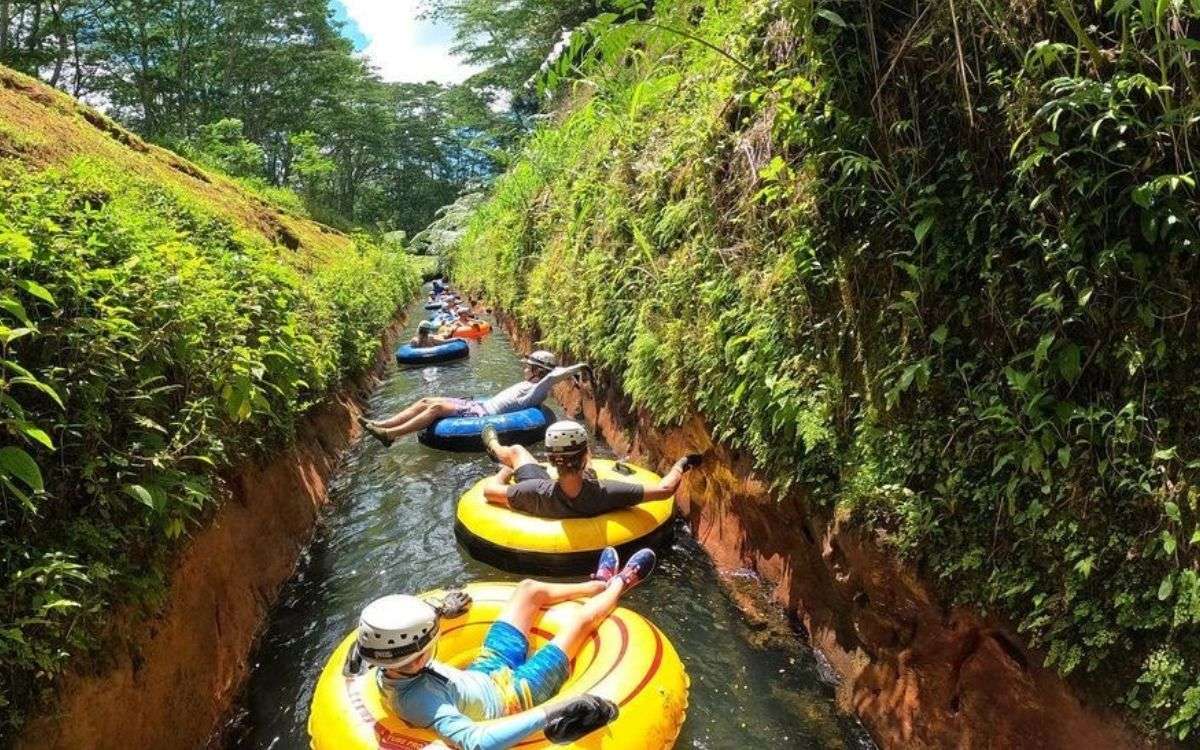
pixel 283 70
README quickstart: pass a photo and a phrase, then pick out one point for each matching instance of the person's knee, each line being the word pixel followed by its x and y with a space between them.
pixel 531 591
pixel 521 456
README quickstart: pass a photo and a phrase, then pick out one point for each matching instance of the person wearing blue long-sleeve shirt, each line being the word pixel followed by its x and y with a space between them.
pixel 541 374
pixel 506 694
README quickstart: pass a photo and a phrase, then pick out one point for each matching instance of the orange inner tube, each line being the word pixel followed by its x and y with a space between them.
pixel 476 330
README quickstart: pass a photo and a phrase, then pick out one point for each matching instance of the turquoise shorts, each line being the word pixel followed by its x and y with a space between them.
pixel 524 681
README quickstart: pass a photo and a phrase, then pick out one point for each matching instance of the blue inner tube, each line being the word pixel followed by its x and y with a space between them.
pixel 451 350
pixel 461 434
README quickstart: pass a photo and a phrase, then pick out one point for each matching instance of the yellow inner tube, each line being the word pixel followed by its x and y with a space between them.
pixel 627 660
pixel 514 530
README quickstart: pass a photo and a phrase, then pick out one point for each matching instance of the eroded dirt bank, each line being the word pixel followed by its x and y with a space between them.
pixel 173 683
pixel 919 674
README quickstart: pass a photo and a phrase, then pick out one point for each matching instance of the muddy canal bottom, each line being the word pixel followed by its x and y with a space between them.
pixel 389 529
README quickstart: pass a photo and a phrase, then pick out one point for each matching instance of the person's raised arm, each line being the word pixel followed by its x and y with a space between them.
pixel 541 391
pixel 495 489
pixel 670 482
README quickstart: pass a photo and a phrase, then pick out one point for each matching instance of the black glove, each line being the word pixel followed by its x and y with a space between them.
pixel 577 717
pixel 690 461
pixel 453 604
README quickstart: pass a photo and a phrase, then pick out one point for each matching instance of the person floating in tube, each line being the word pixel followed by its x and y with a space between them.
pixel 577 492
pixel 427 336
pixel 505 685
pixel 541 374
pixel 464 316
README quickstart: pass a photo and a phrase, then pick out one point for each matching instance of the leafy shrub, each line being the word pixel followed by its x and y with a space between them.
pixel 935 261
pixel 223 145
pixel 146 344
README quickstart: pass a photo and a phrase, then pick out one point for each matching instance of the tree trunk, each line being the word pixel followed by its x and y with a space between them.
pixel 35 32
pixel 5 18
pixel 60 59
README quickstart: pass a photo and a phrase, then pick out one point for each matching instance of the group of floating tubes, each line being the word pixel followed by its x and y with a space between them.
pixel 627 660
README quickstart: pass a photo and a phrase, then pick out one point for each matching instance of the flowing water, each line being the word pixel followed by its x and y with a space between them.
pixel 389 529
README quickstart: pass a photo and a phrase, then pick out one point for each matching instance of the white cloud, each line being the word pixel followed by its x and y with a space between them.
pixel 402 46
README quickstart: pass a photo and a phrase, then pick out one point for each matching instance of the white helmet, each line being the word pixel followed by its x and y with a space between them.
pixel 566 437
pixel 542 359
pixel 396 630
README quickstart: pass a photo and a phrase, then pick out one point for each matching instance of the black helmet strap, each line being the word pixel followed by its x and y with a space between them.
pixel 399 652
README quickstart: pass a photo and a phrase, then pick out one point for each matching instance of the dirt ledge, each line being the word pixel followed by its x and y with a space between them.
pixel 917 673
pixel 176 682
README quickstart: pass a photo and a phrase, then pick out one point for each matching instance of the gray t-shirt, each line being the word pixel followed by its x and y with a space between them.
pixel 525 394
pixel 537 494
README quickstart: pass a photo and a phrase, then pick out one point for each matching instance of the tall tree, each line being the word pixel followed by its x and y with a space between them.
pixel 511 40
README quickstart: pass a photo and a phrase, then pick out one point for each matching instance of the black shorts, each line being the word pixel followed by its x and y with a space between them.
pixel 530 471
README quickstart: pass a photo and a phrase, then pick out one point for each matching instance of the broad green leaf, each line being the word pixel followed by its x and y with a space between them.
pixel 59 604
pixel 15 462
pixel 1168 542
pixel 939 334
pixel 9 335
pixel 15 245
pixel 1068 361
pixel 1043 347
pixel 39 385
pixel 139 493
pixel 1172 511
pixel 1165 588
pixel 37 434
pixel 923 229
pixel 15 309
pixel 37 290
pixel 832 17
pixel 1166 454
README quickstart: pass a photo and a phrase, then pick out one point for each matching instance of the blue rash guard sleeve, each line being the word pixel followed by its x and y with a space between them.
pixel 431 704
pixel 498 734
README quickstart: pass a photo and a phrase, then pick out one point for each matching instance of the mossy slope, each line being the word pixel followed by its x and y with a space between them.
pixel 158 324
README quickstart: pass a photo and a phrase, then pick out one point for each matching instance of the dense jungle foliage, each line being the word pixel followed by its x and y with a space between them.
pixel 157 325
pixel 934 262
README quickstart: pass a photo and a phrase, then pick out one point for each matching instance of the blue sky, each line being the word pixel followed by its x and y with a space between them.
pixel 400 45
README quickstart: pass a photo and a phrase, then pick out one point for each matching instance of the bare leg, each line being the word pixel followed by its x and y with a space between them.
pixel 581 623
pixel 532 596
pixel 421 419
pixel 513 456
pixel 398 419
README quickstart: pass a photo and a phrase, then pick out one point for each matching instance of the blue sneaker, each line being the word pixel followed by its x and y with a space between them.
pixel 607 567
pixel 638 568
